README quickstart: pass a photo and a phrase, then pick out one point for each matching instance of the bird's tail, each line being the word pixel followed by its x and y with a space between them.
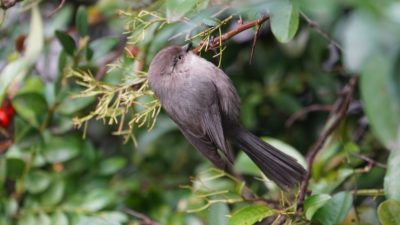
pixel 284 170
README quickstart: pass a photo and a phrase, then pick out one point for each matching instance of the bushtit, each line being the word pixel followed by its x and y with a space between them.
pixel 202 101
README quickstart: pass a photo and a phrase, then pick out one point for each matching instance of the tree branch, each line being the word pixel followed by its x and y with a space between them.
pixel 216 41
pixel 312 108
pixel 6 4
pixel 338 113
pixel 62 2
pixel 318 29
pixel 145 220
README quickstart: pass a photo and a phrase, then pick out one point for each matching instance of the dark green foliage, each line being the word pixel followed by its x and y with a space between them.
pixel 127 162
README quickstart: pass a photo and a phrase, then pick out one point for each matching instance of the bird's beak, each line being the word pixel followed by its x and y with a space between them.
pixel 188 47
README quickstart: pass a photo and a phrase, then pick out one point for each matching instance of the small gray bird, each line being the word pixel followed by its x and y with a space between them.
pixel 202 101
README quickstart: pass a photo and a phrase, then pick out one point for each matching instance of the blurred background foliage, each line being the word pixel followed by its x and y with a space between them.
pixel 84 65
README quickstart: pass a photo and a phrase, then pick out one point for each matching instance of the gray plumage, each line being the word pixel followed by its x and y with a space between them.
pixel 202 101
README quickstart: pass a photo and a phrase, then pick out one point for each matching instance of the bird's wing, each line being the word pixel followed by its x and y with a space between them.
pixel 203 128
pixel 211 122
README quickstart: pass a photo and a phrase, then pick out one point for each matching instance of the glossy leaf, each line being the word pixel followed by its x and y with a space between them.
pixel 392 182
pixel 389 212
pixel 81 21
pixel 60 149
pixel 335 210
pixel 313 203
pixel 59 218
pixel 284 19
pixel 54 193
pixel 218 214
pixel 102 46
pixel 15 168
pixel 176 9
pixel 112 165
pixel 251 214
pixel 43 219
pixel 37 181
pixel 245 165
pixel 380 102
pixel 16 71
pixel 67 42
pixel 98 199
pixel 31 106
pixel 359 41
pixel 70 106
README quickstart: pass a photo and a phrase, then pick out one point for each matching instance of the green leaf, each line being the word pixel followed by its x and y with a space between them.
pixel 335 210
pixel 11 207
pixel 61 149
pixel 359 41
pixel 67 42
pixel 284 19
pixel 112 165
pixel 313 203
pixel 62 61
pixel 35 40
pixel 176 9
pixel 43 219
pixel 31 106
pixel 98 199
pixel 37 181
pixel 59 218
pixel 245 165
pixel 15 168
pixel 102 46
pixel 115 217
pixel 218 214
pixel 13 70
pixel 389 212
pixel 70 106
pixel 251 214
pixel 379 100
pixel 16 70
pixel 54 193
pixel 27 219
pixel 32 84
pixel 81 21
pixel 392 182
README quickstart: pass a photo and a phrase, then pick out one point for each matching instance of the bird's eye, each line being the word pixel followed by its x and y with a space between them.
pixel 180 57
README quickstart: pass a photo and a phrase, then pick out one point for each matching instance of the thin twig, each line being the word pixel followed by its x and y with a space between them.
pixel 312 108
pixel 109 59
pixel 144 219
pixel 253 46
pixel 369 192
pixel 57 9
pixel 338 113
pixel 370 161
pixel 216 41
pixel 6 4
pixel 281 220
pixel 318 29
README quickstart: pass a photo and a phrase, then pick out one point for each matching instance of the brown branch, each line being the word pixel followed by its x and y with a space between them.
pixel 216 41
pixel 145 220
pixel 253 46
pixel 318 29
pixel 312 108
pixel 6 4
pixel 109 59
pixel 281 220
pixel 57 9
pixel 338 113
pixel 370 161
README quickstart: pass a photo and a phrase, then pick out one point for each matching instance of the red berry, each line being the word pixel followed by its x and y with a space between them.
pixel 4 119
pixel 10 110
